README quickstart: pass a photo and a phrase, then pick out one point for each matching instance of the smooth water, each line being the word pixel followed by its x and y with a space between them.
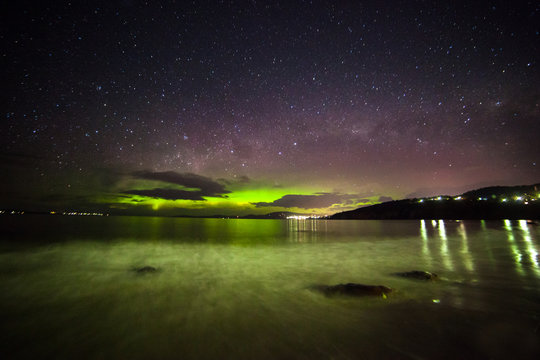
pixel 239 289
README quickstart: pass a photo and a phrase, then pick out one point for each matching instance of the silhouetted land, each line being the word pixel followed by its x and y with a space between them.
pixel 498 202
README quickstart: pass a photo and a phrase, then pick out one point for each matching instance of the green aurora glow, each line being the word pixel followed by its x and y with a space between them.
pixel 240 201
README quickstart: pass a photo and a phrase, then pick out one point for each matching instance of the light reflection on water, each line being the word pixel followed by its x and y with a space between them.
pixel 447 259
pixel 530 247
pixel 425 243
pixel 512 241
pixel 466 255
pixel 239 288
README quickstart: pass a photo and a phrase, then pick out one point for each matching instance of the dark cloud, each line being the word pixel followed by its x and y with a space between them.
pixel 362 201
pixel 168 194
pixel 385 198
pixel 206 186
pixel 224 181
pixel 320 200
pixel 243 179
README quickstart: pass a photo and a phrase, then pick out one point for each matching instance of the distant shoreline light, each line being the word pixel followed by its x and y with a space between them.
pixel 304 217
pixel 72 213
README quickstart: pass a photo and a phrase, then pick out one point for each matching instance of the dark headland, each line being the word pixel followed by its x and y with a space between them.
pixel 490 203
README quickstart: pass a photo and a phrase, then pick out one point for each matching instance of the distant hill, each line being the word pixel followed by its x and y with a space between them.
pixel 504 191
pixel 496 202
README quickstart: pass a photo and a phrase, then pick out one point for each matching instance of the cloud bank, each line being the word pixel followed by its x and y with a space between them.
pixel 198 186
pixel 317 201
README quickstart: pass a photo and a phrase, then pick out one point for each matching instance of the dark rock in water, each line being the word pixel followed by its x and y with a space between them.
pixel 419 275
pixel 352 289
pixel 145 270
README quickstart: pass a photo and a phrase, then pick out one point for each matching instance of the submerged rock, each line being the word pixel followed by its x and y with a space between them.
pixel 419 275
pixel 145 270
pixel 352 289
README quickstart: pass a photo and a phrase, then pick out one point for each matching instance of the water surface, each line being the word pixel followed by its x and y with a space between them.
pixel 239 289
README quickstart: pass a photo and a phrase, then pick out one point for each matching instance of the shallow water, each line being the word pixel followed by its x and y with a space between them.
pixel 239 289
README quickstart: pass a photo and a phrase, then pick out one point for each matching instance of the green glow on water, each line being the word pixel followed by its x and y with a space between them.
pixel 241 288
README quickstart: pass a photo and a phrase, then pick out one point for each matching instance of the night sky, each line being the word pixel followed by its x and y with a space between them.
pixel 238 107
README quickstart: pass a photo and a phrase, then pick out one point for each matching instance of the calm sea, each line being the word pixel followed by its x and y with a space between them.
pixel 240 289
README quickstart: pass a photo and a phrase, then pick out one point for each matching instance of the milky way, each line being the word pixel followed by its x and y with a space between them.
pixel 250 107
